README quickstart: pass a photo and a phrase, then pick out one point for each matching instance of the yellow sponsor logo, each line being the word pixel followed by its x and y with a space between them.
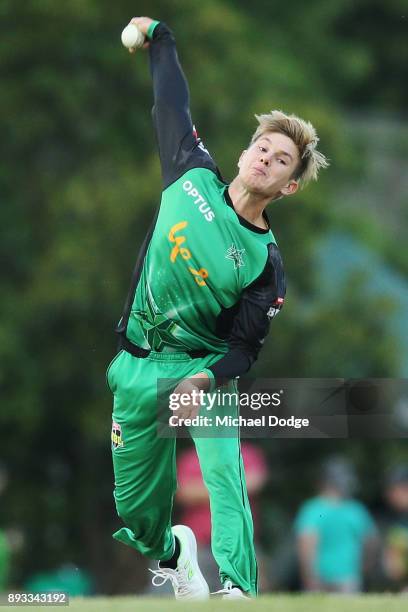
pixel 199 275
pixel 179 240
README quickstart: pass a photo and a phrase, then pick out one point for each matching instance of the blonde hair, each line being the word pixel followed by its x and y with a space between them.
pixel 303 135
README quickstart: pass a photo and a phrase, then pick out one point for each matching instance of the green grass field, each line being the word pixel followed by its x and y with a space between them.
pixel 275 603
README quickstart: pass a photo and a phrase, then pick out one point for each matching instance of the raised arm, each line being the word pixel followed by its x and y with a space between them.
pixel 179 147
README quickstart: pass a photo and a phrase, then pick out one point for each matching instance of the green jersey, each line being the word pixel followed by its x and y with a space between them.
pixel 206 279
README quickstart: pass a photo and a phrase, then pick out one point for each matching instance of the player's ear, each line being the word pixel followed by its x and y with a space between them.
pixel 240 157
pixel 290 188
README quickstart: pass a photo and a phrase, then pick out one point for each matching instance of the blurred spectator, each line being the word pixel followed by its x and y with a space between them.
pixel 69 578
pixel 336 536
pixel 4 544
pixel 395 530
pixel 4 561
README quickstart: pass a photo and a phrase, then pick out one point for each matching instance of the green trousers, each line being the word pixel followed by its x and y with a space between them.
pixel 145 469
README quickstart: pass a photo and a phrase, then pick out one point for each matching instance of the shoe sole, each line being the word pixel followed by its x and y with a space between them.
pixel 187 534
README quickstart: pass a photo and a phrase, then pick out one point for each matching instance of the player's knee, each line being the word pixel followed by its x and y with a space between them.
pixel 129 509
pixel 134 511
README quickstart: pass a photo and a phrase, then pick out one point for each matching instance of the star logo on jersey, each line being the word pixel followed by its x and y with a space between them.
pixel 236 256
pixel 157 328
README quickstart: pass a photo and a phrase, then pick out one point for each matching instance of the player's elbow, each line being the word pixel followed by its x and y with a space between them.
pixel 245 356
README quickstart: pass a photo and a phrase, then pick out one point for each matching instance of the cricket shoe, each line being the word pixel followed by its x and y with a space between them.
pixel 231 592
pixel 187 579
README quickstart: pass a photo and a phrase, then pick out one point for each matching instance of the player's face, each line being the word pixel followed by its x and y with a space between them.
pixel 267 166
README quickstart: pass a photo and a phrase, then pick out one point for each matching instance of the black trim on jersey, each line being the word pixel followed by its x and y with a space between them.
pixel 123 323
pixel 243 221
pixel 142 353
pixel 259 303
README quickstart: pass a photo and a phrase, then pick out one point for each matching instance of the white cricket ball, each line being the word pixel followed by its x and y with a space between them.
pixel 132 37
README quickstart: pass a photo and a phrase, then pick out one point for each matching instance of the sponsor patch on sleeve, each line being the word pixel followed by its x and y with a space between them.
pixel 275 308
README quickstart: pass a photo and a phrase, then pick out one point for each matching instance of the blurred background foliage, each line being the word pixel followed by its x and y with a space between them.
pixel 80 181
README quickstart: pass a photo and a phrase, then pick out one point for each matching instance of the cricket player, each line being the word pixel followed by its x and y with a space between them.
pixel 208 281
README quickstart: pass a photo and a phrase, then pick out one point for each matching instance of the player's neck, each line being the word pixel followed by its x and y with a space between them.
pixel 248 205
